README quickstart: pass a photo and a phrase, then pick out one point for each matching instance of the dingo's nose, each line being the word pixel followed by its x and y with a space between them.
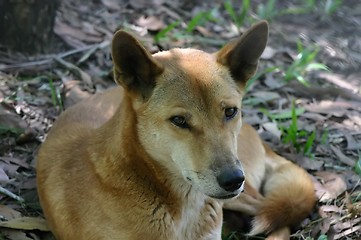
pixel 230 179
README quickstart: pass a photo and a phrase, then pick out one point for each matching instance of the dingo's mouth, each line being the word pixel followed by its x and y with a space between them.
pixel 228 196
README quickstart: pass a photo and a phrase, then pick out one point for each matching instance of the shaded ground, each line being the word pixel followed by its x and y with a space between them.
pixel 34 91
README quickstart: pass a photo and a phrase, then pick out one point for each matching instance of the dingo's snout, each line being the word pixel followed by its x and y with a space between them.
pixel 231 179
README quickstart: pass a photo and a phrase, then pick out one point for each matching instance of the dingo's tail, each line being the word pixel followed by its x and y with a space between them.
pixel 289 196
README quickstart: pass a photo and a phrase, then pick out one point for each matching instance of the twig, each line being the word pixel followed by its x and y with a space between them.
pixel 83 75
pixel 11 195
pixel 50 58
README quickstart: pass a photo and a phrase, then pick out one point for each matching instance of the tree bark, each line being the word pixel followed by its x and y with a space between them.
pixel 27 25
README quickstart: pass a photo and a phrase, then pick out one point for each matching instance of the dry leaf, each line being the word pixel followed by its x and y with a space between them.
pixel 11 120
pixel 3 177
pixel 335 108
pixel 143 4
pixel 342 157
pixel 273 128
pixel 330 187
pixel 347 232
pixel 16 161
pixel 112 4
pixel 9 168
pixel 352 144
pixel 268 53
pixel 14 234
pixel 266 95
pixel 308 163
pixel 152 23
pixel 9 213
pixel 26 223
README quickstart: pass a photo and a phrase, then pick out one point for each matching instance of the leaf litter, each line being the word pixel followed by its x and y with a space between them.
pixel 34 91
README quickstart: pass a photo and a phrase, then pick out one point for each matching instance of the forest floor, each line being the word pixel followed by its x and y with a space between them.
pixel 305 100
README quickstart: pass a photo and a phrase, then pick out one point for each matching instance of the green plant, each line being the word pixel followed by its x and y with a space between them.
pixel 322 237
pixel 199 19
pixel 55 95
pixel 6 129
pixel 330 6
pixel 163 33
pixel 300 139
pixel 306 7
pixel 238 17
pixel 324 137
pixel 251 81
pixel 268 10
pixel 304 63
pixel 358 164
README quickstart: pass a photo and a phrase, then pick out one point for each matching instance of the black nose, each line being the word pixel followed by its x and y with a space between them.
pixel 230 179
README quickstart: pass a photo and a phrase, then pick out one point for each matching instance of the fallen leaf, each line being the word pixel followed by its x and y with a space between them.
pixel 9 168
pixel 3 177
pixel 305 162
pixel 342 157
pixel 314 116
pixel 62 29
pixel 266 95
pixel 337 79
pixel 352 144
pixel 268 53
pixel 143 4
pixel 273 128
pixel 16 161
pixel 331 186
pixel 348 232
pixel 14 234
pixel 9 213
pixel 151 22
pixel 112 4
pixel 335 108
pixel 11 120
pixel 26 223
pixel 329 208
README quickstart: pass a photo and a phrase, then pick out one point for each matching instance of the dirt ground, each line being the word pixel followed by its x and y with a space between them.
pixel 35 90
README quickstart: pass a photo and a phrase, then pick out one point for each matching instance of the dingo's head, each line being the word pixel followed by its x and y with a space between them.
pixel 187 104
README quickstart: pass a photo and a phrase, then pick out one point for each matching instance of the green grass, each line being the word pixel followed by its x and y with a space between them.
pixel 302 140
pixel 246 14
pixel 292 134
pixel 322 237
pixel 197 20
pixel 358 164
pixel 251 81
pixel 268 10
pixel 55 95
pixel 200 19
pixel 238 17
pixel 303 64
pixel 331 6
pixel 163 33
pixel 5 129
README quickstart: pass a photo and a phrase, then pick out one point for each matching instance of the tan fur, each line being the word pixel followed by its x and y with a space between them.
pixel 115 166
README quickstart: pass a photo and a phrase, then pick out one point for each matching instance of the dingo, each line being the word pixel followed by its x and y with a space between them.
pixel 159 159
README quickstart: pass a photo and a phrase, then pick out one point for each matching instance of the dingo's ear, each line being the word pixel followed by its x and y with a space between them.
pixel 134 67
pixel 242 54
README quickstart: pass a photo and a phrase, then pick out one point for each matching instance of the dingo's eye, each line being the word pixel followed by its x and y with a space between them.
pixel 179 121
pixel 230 112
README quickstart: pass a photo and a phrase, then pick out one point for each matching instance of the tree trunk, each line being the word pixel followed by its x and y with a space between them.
pixel 27 25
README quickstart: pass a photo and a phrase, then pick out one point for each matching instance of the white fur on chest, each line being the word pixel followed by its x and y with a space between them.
pixel 201 218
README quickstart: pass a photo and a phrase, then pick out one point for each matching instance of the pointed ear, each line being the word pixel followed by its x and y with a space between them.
pixel 242 54
pixel 134 67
